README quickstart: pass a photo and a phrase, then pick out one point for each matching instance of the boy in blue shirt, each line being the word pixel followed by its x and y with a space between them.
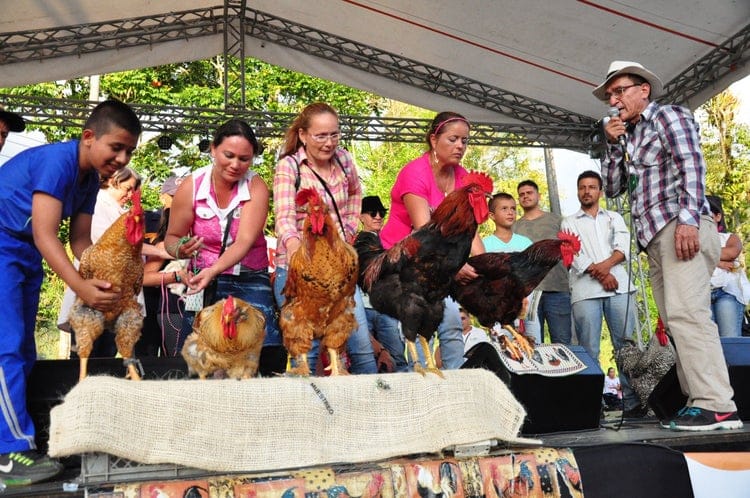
pixel 39 188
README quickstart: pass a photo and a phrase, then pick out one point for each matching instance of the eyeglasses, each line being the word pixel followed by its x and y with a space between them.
pixel 619 91
pixel 322 138
pixel 378 212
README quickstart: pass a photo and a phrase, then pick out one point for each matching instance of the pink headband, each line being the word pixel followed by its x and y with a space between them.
pixel 437 129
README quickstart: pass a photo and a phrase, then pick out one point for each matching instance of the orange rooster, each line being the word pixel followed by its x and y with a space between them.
pixel 116 258
pixel 319 290
pixel 226 340
pixel 410 280
pixel 497 295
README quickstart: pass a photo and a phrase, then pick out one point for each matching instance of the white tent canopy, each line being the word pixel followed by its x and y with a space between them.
pixel 532 61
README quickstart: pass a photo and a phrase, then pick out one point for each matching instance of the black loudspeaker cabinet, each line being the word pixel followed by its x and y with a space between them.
pixel 51 380
pixel 667 397
pixel 559 404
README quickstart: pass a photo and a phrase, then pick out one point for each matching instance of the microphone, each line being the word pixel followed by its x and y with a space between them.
pixel 612 113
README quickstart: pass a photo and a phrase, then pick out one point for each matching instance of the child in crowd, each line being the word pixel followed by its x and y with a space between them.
pixel 39 188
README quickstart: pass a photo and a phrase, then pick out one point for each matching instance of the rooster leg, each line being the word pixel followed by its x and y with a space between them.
pixel 302 369
pixel 335 363
pixel 429 359
pixel 522 342
pixel 132 370
pixel 412 349
pixel 84 368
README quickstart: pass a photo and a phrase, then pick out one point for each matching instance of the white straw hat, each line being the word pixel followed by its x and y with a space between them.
pixel 618 68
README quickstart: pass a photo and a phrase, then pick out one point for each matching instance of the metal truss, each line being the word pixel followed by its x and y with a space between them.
pixel 636 271
pixel 80 39
pixel 174 120
pixel 414 73
pixel 709 69
pixel 234 54
pixel 541 123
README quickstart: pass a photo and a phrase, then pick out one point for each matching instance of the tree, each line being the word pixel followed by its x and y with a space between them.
pixel 726 147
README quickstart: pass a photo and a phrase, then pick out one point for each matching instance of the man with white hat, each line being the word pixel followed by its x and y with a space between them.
pixel 654 153
pixel 9 121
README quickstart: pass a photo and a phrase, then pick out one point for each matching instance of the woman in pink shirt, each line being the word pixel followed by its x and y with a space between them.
pixel 420 187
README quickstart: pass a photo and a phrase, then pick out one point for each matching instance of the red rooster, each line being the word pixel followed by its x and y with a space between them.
pixel 505 279
pixel 410 280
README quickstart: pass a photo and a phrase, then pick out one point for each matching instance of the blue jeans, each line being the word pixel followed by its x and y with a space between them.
pixel 388 333
pixel 619 311
pixel 727 312
pixel 358 345
pixel 254 288
pixel 450 337
pixel 554 308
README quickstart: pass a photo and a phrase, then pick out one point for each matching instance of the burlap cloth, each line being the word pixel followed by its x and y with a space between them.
pixel 283 423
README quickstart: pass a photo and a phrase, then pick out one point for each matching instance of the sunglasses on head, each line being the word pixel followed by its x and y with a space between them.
pixel 377 212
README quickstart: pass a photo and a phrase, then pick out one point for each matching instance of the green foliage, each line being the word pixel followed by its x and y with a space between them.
pixel 726 148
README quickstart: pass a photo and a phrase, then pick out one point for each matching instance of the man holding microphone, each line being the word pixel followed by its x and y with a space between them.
pixel 654 153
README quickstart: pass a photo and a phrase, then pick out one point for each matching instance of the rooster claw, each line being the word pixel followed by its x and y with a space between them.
pixel 134 369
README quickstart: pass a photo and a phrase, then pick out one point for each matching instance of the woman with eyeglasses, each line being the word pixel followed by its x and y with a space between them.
pixel 311 158
pixel 420 187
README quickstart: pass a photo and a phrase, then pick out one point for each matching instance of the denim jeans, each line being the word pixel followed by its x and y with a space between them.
pixel 727 312
pixel 554 308
pixel 358 345
pixel 255 288
pixel 387 331
pixel 619 311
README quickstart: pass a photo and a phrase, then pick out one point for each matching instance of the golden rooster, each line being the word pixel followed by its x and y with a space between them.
pixel 116 258
pixel 319 291
pixel 226 340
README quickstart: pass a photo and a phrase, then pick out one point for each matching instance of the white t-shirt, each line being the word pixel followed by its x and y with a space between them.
pixel 611 385
pixel 474 337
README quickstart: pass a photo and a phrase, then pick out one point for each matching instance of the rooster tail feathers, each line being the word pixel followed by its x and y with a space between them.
pixel 483 180
pixel 372 272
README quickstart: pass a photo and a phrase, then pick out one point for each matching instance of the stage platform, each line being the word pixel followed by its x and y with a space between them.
pixel 639 440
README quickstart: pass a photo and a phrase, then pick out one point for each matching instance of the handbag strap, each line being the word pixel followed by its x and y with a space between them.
pixel 226 230
pixel 335 206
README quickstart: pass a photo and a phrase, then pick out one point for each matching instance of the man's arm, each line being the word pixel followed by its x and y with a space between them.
pixel 46 214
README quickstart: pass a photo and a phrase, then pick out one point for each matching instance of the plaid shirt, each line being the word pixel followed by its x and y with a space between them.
pixel 346 189
pixel 666 177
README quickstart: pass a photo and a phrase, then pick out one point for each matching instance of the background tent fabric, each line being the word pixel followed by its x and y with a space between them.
pixel 494 60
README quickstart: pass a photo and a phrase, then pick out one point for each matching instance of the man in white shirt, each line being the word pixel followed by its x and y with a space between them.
pixel 599 281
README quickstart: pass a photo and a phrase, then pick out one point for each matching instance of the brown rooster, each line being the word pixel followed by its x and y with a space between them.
pixel 319 290
pixel 116 258
pixel 226 340
pixel 505 279
pixel 410 280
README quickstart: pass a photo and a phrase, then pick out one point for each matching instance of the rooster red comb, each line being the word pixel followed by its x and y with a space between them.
pixel 568 236
pixel 483 180
pixel 308 195
pixel 135 200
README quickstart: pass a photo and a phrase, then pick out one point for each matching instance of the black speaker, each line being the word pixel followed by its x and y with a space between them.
pixel 50 381
pixel 558 404
pixel 667 397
